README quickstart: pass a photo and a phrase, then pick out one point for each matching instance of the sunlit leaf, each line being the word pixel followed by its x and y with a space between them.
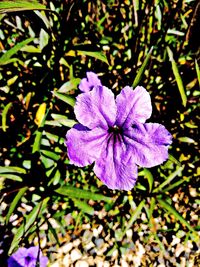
pixel 15 202
pixel 38 135
pixel 177 77
pixel 20 5
pixel 43 39
pixel 12 51
pixel 11 169
pixel 169 179
pixel 10 176
pixel 4 116
pixel 98 55
pixel 142 69
pixel 83 206
pixel 74 192
pixel 40 114
pixel 149 177
pixel 70 85
pixel 186 139
pixel 66 98
pixel 197 71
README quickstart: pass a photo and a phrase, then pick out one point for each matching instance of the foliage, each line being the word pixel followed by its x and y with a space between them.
pixel 44 54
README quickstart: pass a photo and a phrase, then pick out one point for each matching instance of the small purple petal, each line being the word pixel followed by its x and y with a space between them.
pixel 115 166
pixel 133 106
pixel 96 108
pixel 90 82
pixel 148 143
pixel 27 258
pixel 84 145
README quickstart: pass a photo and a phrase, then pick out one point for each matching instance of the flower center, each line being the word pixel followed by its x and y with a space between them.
pixel 115 129
pixel 27 260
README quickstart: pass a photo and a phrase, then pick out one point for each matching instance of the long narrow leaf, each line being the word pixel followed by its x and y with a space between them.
pixel 171 210
pixel 177 77
pixel 83 206
pixel 5 57
pixel 142 69
pixel 11 169
pixel 20 5
pixel 25 228
pixel 198 71
pixel 168 180
pixel 66 98
pixel 135 215
pixel 74 192
pixel 4 115
pixel 14 202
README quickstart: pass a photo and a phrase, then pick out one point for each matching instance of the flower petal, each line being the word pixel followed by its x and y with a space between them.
pixel 84 145
pixel 149 143
pixel 96 108
pixel 17 259
pixel 133 106
pixel 87 84
pixel 115 167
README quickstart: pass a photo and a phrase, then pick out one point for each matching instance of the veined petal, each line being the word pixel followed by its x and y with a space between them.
pixel 148 143
pixel 84 145
pixel 133 106
pixel 115 167
pixel 88 83
pixel 96 108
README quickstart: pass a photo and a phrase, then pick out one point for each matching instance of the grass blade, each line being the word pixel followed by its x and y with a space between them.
pixel 14 202
pixel 6 57
pixel 168 180
pixel 177 77
pixel 171 210
pixel 4 116
pixel 197 70
pixel 142 69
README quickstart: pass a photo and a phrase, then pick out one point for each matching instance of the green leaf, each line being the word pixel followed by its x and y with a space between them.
pixel 142 69
pixel 186 139
pixel 15 202
pixel 177 77
pixel 29 222
pixel 7 55
pixel 43 39
pixel 97 54
pixel 50 154
pixel 197 70
pixel 38 135
pixel 4 116
pixel 83 206
pixel 169 179
pixel 13 177
pixel 133 218
pixel 66 98
pixel 171 210
pixel 173 159
pixel 74 192
pixel 149 177
pixel 11 169
pixel 31 49
pixel 70 85
pixel 20 5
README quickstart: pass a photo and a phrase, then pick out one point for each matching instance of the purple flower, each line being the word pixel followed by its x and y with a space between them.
pixel 27 257
pixel 88 83
pixel 113 134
